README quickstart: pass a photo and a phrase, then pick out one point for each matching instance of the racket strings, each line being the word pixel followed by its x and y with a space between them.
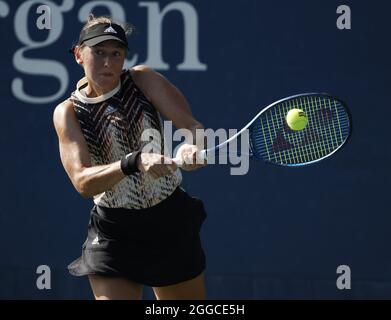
pixel 319 139
pixel 328 128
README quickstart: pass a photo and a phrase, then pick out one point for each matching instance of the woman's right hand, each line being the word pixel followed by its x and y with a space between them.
pixel 155 164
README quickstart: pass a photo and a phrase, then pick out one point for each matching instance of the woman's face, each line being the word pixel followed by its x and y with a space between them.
pixel 102 63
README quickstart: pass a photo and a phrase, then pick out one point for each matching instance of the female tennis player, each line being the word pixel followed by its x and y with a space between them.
pixel 144 228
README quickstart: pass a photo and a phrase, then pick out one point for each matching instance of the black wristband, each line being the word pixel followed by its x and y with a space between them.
pixel 129 163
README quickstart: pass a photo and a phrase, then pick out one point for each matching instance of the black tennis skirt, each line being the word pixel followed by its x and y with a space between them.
pixel 157 246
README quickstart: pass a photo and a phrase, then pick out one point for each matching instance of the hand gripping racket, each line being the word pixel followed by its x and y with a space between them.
pixel 272 140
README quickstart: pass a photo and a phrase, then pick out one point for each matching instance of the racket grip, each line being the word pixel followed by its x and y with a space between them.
pixel 200 157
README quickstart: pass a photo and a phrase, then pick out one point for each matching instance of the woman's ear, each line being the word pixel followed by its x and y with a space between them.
pixel 78 55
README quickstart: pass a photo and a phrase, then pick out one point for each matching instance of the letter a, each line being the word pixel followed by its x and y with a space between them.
pixel 344 280
pixel 44 20
pixel 345 20
pixel 43 281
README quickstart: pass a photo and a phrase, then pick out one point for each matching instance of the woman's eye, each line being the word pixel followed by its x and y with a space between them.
pixel 99 52
pixel 117 54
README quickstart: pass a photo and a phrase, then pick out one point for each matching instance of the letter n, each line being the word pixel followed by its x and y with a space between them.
pixel 155 20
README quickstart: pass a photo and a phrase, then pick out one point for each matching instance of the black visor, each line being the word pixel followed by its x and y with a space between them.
pixel 102 32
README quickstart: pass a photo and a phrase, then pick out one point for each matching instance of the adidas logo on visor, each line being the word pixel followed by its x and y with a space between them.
pixel 110 29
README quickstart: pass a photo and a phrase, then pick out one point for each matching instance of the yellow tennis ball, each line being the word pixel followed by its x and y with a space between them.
pixel 296 119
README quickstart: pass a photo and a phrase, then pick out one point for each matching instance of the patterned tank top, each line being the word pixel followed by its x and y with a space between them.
pixel 112 125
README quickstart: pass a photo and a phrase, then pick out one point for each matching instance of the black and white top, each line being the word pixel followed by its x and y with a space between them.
pixel 112 125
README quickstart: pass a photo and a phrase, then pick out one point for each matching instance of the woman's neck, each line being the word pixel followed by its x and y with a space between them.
pixel 92 90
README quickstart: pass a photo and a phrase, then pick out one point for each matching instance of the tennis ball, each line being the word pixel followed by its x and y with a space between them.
pixel 296 119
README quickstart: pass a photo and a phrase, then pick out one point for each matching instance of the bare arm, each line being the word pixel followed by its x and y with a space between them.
pixel 75 157
pixel 167 99
pixel 171 103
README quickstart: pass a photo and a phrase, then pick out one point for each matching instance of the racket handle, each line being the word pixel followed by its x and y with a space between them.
pixel 201 156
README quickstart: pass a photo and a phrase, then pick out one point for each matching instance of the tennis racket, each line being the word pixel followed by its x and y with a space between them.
pixel 271 139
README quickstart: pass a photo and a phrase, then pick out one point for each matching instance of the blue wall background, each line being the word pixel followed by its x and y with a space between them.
pixel 275 233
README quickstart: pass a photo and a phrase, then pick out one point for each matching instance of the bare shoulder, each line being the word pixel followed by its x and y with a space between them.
pixel 63 116
pixel 143 74
pixel 141 71
pixel 62 109
pixel 147 79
